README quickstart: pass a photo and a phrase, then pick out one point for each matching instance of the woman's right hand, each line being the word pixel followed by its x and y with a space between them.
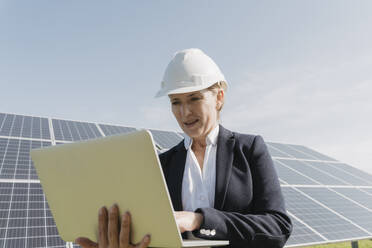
pixel 111 234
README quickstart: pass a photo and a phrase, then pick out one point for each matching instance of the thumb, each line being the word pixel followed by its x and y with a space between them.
pixel 85 242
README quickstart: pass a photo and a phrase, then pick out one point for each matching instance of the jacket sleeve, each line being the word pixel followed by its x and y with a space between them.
pixel 266 224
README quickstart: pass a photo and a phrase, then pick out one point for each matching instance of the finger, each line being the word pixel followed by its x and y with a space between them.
pixel 102 228
pixel 85 242
pixel 145 242
pixel 125 230
pixel 113 227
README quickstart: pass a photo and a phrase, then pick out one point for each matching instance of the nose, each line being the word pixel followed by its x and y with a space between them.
pixel 185 110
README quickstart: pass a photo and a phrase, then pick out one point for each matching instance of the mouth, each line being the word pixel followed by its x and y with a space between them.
pixel 190 123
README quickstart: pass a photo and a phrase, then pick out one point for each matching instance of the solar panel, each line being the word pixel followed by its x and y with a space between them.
pixel 303 234
pixel 304 168
pixel 290 151
pixel 312 153
pixel 290 176
pixel 274 152
pixel 369 191
pixel 166 139
pixel 25 217
pixel 15 160
pixel 24 126
pixel 328 200
pixel 355 213
pixel 322 220
pixel 346 177
pixel 354 171
pixel 113 130
pixel 356 195
pixel 74 130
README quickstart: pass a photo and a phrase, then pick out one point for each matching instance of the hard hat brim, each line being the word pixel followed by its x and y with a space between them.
pixel 164 92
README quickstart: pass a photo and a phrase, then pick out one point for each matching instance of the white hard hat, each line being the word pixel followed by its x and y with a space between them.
pixel 190 70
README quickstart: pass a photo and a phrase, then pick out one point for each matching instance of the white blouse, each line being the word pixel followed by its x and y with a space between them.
pixel 198 186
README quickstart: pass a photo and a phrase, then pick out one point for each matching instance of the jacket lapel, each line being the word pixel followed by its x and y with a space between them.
pixel 224 159
pixel 175 176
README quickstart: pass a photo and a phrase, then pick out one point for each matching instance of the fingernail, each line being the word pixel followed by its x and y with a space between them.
pixel 147 238
pixel 113 208
pixel 102 210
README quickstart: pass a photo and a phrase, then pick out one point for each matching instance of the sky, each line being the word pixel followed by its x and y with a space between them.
pixel 299 72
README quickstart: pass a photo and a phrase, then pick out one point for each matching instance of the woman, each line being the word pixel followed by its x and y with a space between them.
pixel 222 184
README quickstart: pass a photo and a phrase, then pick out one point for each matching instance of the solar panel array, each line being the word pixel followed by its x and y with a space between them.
pixel 327 200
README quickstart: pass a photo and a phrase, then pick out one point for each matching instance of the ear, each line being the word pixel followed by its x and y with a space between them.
pixel 220 99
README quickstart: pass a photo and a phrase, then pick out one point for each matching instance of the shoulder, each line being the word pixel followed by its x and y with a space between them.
pixel 244 141
pixel 167 155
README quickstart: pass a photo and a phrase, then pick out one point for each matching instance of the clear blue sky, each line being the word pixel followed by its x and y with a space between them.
pixel 299 71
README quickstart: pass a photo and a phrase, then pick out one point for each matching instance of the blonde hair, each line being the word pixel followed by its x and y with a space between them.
pixel 215 88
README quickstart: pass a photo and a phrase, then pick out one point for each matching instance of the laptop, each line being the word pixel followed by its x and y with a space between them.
pixel 79 178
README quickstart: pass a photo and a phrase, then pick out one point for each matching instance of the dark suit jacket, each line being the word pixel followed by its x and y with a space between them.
pixel 249 209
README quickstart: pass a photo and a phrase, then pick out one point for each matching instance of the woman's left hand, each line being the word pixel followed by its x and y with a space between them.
pixel 188 221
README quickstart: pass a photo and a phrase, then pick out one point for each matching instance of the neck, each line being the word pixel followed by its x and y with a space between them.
pixel 199 142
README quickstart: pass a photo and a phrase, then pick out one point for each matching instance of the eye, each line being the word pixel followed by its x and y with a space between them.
pixel 195 99
pixel 175 102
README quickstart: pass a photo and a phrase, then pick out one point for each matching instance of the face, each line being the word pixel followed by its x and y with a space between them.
pixel 197 112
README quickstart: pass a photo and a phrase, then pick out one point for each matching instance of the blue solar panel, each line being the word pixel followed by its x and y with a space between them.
pixel 290 176
pixel 350 210
pixel 301 234
pixel 309 171
pixel 113 130
pixel 328 224
pixel 74 130
pixel 290 151
pixel 356 195
pixel 24 126
pixel 316 155
pixel 166 139
pixel 354 171
pixel 15 162
pixel 340 174
pixel 276 153
pixel 25 219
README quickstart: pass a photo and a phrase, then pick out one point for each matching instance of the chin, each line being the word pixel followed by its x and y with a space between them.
pixel 194 133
